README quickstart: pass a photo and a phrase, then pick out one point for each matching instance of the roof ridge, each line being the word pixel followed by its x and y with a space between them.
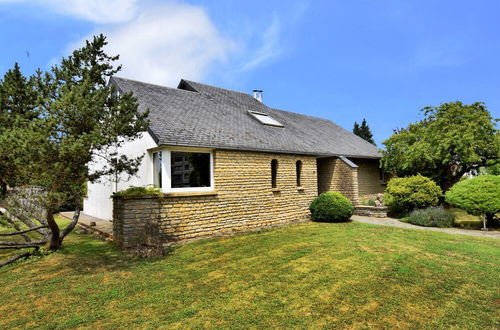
pixel 225 89
pixel 300 114
pixel 151 84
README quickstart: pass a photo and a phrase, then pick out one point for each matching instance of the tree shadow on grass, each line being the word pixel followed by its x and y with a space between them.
pixel 333 222
pixel 88 254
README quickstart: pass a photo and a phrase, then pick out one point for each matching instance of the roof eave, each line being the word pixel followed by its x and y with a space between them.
pixel 239 148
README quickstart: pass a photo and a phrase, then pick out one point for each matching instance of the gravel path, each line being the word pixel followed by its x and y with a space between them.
pixel 396 223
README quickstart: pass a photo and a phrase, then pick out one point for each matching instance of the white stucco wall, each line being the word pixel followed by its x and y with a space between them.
pixel 98 202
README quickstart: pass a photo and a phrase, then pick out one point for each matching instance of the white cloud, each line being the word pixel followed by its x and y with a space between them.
pixel 269 48
pixel 166 43
pixel 97 11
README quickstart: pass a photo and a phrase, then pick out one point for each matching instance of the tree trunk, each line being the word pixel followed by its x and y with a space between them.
pixel 448 182
pixel 489 219
pixel 3 189
pixel 55 241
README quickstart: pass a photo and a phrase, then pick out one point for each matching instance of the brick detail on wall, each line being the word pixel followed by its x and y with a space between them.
pixel 245 201
pixel 335 175
pixel 369 182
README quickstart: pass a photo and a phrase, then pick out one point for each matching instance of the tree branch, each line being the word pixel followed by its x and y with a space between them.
pixel 14 225
pixel 21 231
pixel 22 218
pixel 15 258
pixel 19 245
pixel 72 225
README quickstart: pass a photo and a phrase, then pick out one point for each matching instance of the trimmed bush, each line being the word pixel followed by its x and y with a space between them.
pixel 403 195
pixel 432 217
pixel 139 191
pixel 477 196
pixel 331 207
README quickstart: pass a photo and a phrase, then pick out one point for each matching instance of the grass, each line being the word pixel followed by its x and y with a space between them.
pixel 346 275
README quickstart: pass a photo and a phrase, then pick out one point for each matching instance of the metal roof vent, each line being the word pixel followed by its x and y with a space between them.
pixel 257 94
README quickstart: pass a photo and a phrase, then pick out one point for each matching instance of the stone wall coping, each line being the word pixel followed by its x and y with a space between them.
pixel 190 194
pixel 167 195
pixel 369 207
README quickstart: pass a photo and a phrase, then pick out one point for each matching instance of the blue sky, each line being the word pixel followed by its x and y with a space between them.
pixel 342 60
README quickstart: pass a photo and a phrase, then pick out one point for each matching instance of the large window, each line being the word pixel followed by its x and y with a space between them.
pixel 183 171
pixel 190 169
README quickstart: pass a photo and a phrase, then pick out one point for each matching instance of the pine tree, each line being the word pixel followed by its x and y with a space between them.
pixel 363 131
pixel 17 108
pixel 80 120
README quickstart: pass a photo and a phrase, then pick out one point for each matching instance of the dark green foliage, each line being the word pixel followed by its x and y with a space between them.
pixel 17 108
pixel 478 196
pixel 493 169
pixel 450 141
pixel 402 195
pixel 78 119
pixel 363 131
pixel 139 191
pixel 331 207
pixel 432 217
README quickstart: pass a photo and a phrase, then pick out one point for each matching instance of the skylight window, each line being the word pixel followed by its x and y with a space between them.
pixel 265 119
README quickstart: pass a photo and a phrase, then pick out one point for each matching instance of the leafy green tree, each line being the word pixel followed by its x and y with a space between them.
pixel 363 131
pixel 82 120
pixel 450 141
pixel 493 169
pixel 478 196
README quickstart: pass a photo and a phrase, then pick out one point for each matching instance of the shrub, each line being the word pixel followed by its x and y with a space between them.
pixel 402 195
pixel 139 191
pixel 432 217
pixel 332 207
pixel 477 196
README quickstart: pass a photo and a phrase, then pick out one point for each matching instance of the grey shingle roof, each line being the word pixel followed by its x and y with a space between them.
pixel 200 115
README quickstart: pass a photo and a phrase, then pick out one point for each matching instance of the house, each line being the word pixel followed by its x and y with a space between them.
pixel 225 161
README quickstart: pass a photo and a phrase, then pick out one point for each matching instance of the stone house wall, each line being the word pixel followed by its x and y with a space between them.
pixel 243 201
pixel 369 181
pixel 336 175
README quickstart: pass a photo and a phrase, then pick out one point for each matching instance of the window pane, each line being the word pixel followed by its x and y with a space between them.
pixel 266 119
pixel 190 169
pixel 274 173
pixel 157 169
pixel 298 168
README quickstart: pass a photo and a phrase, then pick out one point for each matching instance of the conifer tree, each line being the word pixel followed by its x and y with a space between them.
pixel 363 131
pixel 17 108
pixel 80 120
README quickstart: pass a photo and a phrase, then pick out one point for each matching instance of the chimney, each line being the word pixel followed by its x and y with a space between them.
pixel 257 94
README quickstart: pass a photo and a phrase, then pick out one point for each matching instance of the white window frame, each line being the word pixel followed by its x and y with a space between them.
pixel 166 181
pixel 271 120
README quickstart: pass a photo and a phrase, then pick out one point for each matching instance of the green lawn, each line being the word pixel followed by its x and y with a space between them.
pixel 308 275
